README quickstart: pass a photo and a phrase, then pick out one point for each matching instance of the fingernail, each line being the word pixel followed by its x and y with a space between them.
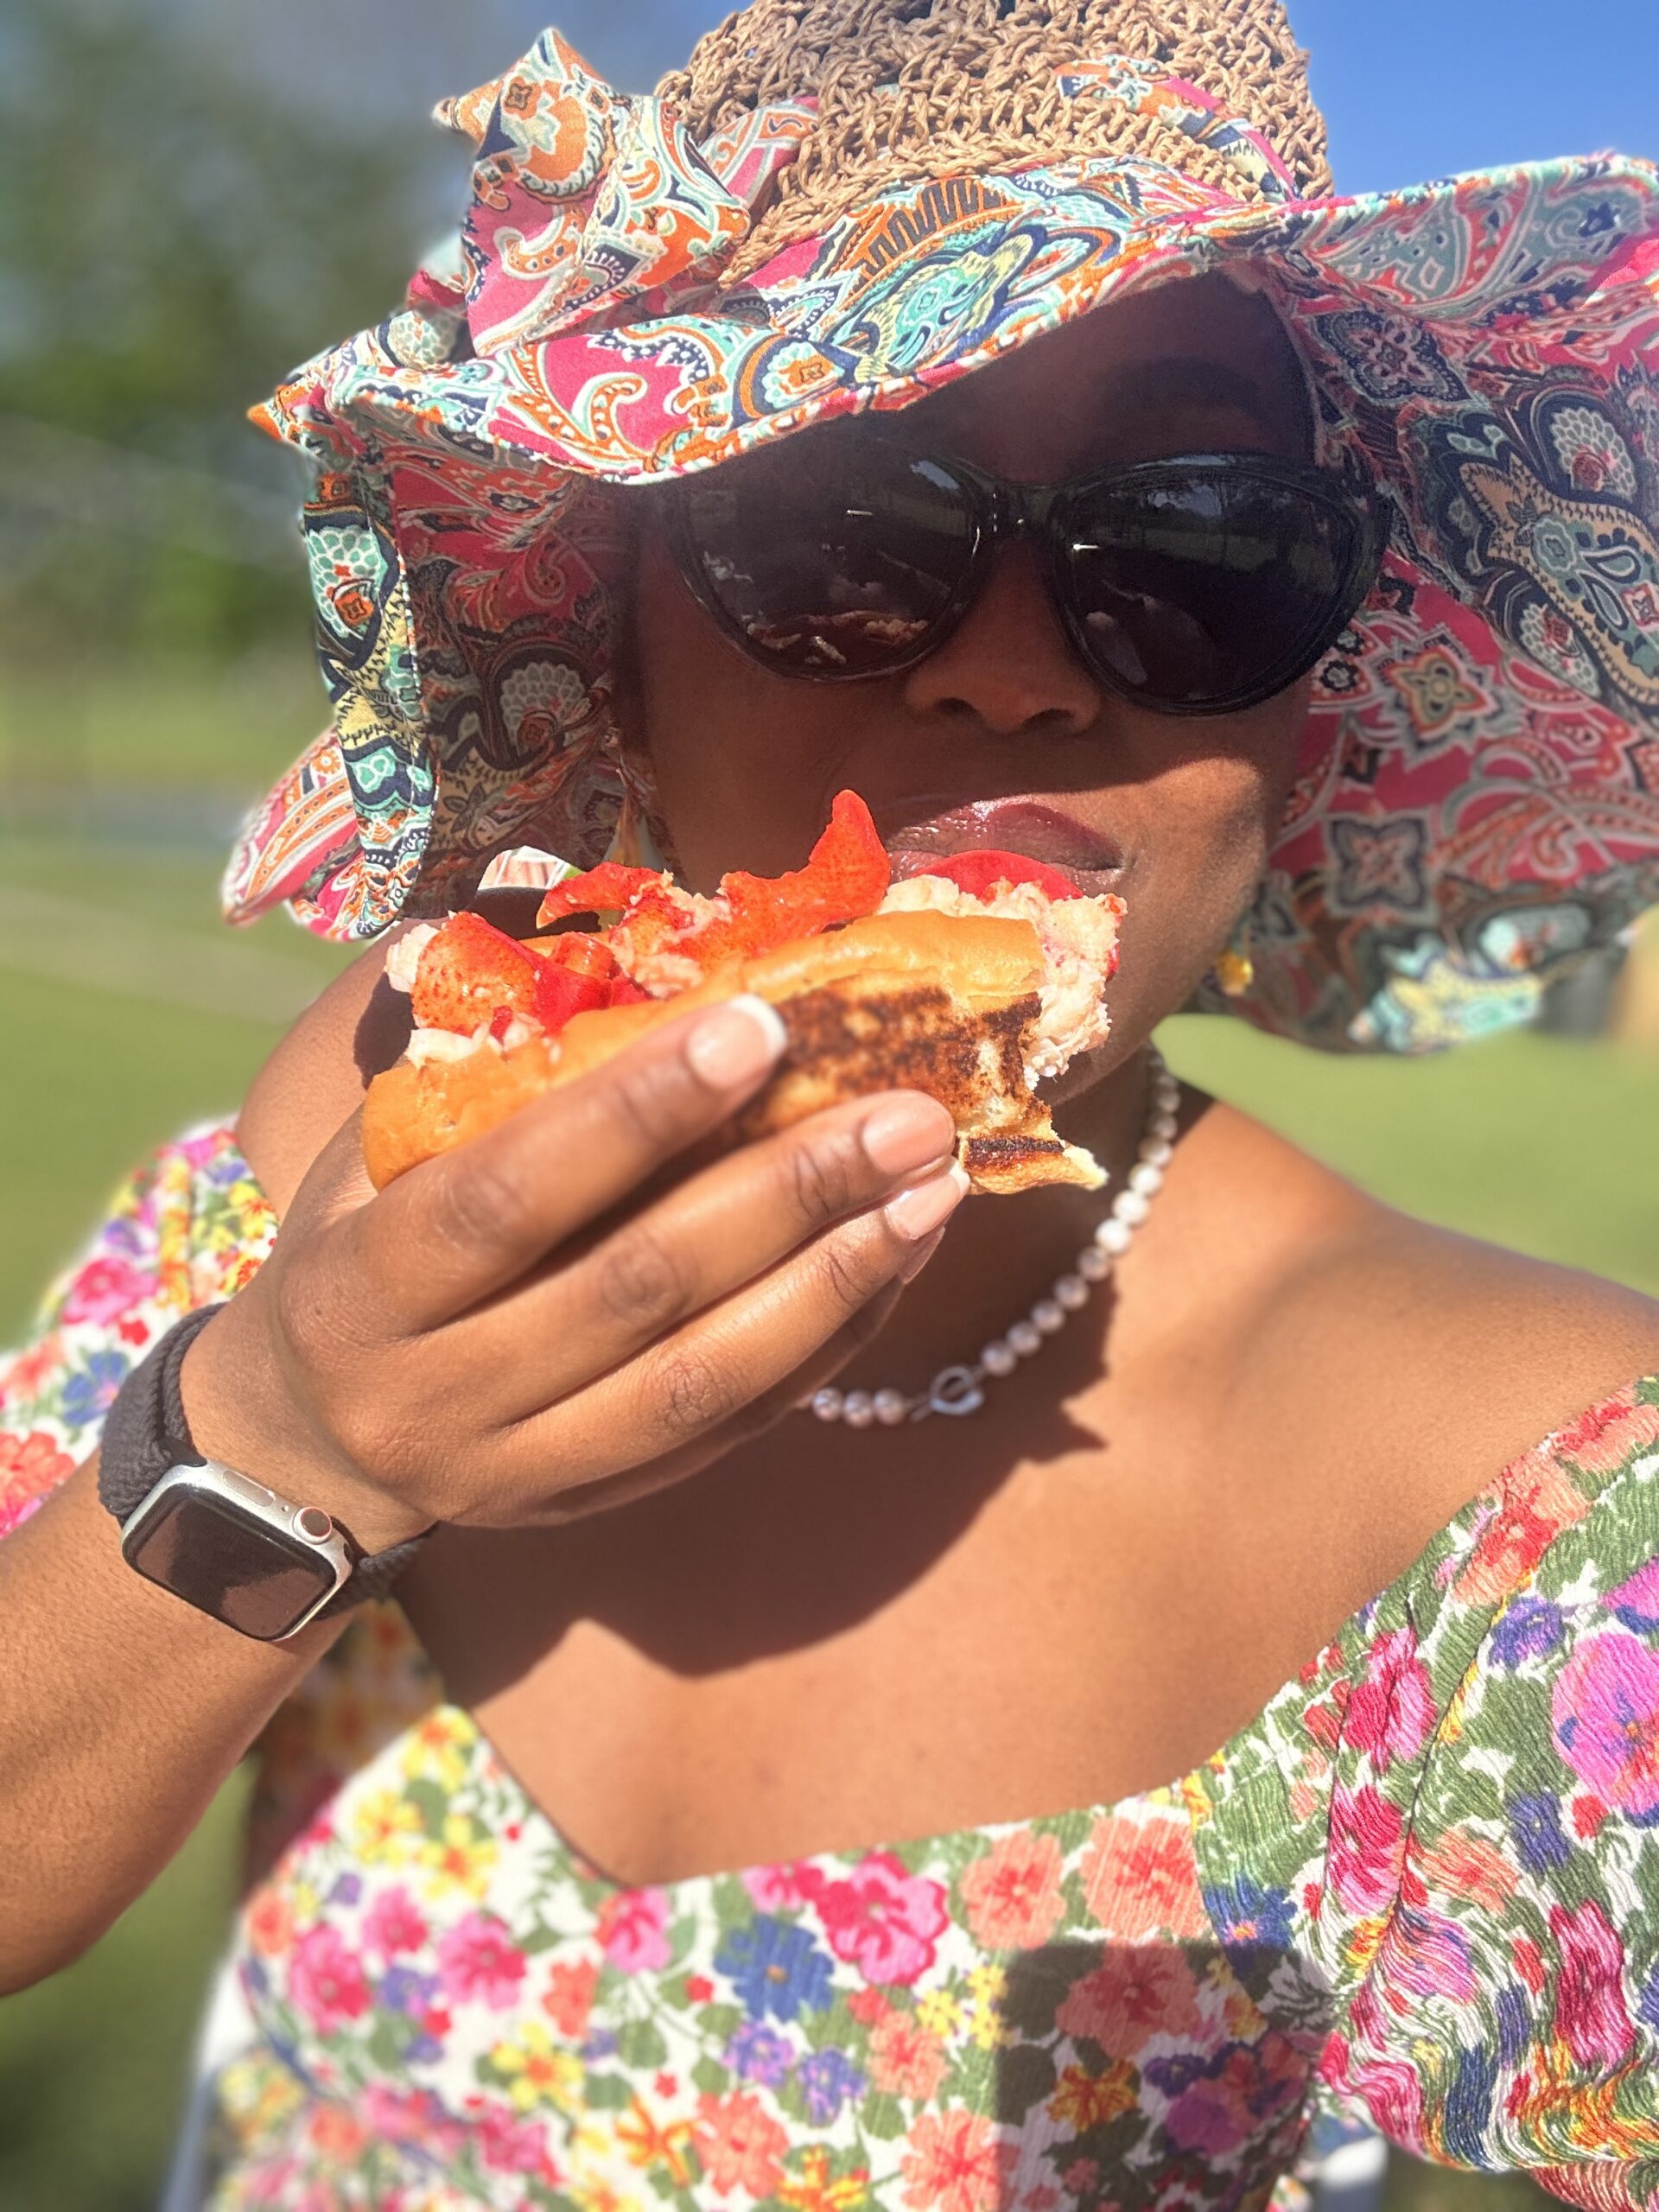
pixel 926 1206
pixel 738 1040
pixel 908 1133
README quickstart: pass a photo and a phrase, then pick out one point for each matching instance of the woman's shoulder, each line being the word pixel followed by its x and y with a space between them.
pixel 1387 1299
pixel 1398 1368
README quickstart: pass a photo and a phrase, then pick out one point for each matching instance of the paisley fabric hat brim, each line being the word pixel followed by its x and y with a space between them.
pixel 1477 804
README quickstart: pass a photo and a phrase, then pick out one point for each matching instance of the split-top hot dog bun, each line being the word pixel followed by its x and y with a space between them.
pixel 971 995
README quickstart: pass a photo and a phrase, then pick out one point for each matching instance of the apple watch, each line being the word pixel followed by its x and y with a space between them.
pixel 220 1540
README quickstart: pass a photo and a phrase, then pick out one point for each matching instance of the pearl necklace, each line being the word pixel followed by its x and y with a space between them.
pixel 960 1389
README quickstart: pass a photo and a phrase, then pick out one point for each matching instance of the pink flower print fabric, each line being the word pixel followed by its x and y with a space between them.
pixel 1482 1900
pixel 841 2030
pixel 190 1227
pixel 1605 1715
pixel 880 1918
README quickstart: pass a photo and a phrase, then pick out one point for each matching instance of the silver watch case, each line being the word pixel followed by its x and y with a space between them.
pixel 233 1549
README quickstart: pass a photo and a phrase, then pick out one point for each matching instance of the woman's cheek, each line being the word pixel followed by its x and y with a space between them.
pixel 1210 842
pixel 1199 846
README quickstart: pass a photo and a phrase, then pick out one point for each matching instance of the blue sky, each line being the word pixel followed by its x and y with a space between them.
pixel 1421 88
pixel 1412 88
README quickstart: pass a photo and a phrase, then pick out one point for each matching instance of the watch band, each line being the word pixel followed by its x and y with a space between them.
pixel 146 1432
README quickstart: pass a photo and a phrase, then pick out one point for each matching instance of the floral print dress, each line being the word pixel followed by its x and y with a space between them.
pixel 1421 1888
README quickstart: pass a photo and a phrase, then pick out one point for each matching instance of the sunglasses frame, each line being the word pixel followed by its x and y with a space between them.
pixel 1002 510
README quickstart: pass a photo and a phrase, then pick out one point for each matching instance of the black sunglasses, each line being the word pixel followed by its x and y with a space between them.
pixel 1199 585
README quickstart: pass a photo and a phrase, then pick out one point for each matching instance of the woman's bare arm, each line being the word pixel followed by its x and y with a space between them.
pixel 122 1710
pixel 121 1713
pixel 533 1328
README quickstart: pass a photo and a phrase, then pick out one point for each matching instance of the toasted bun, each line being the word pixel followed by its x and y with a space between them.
pixel 924 1002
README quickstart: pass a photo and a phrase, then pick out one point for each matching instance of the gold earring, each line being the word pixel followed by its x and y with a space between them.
pixel 1234 972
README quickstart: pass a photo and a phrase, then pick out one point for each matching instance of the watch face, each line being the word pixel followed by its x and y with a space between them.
pixel 215 1557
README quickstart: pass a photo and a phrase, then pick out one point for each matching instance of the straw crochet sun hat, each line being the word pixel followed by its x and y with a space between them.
pixel 841 205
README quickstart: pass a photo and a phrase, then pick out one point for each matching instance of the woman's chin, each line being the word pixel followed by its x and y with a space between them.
pixel 1090 1070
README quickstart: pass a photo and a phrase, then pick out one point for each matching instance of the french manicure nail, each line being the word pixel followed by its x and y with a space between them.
pixel 736 1041
pixel 926 1206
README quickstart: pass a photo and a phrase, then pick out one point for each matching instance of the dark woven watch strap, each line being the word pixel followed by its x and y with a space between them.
pixel 146 1431
pixel 372 1577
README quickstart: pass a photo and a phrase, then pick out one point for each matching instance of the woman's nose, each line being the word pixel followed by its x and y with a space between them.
pixel 1008 664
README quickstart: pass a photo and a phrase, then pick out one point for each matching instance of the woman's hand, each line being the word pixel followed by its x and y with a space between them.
pixel 541 1323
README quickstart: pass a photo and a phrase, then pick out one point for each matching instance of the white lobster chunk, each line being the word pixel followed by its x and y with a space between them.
pixel 1079 938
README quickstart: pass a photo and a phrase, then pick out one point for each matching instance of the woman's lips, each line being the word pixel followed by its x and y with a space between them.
pixel 1038 831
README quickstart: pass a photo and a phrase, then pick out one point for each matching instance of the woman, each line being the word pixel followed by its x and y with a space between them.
pixel 619 1913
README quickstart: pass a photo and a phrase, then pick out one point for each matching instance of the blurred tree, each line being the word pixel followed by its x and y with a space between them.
pixel 393 58
pixel 175 239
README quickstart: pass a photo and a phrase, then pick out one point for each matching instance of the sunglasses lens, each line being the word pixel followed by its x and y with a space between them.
pixel 824 563
pixel 1198 587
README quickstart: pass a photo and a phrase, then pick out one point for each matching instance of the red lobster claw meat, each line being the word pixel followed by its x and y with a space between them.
pixel 978 873
pixel 468 972
pixel 605 889
pixel 845 878
pixel 472 972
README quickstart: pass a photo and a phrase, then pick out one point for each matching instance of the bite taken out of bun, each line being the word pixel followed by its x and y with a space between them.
pixel 952 1004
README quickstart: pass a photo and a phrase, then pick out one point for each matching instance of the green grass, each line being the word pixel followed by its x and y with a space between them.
pixel 1541 1144
pixel 98 1077
pixel 158 727
pixel 1544 1144
pixel 178 889
pixel 93 2063
pixel 1413 2186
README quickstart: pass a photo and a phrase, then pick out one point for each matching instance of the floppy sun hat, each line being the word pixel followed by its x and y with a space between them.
pixel 839 206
